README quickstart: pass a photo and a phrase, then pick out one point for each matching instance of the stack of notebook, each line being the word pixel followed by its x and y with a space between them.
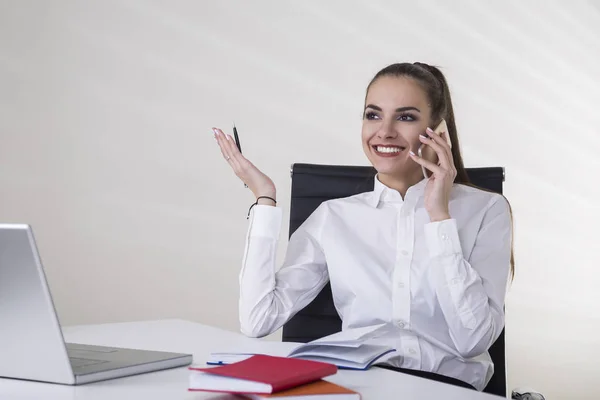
pixel 263 377
pixel 300 374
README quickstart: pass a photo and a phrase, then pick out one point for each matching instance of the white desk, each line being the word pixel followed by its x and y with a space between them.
pixel 201 340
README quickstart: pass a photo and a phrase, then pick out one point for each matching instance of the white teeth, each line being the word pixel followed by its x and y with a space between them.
pixel 383 149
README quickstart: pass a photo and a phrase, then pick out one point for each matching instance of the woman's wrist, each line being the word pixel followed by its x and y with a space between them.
pixel 437 217
pixel 266 199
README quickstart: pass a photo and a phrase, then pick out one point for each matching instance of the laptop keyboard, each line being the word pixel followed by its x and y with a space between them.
pixel 84 362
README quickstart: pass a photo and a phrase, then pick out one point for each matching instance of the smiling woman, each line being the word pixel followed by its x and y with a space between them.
pixel 402 101
pixel 427 257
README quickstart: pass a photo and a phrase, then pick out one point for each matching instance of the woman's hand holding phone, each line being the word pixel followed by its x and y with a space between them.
pixel 259 183
pixel 439 186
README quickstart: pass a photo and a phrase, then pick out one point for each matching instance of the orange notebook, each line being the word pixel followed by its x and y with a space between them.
pixel 311 391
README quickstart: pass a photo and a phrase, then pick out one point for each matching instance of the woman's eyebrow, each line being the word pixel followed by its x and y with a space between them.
pixel 399 109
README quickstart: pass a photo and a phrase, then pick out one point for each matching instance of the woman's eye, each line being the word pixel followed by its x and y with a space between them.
pixel 406 117
pixel 371 115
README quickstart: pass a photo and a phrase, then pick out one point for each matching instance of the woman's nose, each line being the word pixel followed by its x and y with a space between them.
pixel 387 131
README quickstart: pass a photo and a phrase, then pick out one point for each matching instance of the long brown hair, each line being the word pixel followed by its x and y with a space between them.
pixel 434 83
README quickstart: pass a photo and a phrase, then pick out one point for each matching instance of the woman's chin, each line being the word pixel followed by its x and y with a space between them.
pixel 388 168
pixel 397 169
pixel 385 170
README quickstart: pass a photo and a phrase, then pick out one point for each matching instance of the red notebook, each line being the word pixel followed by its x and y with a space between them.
pixel 259 374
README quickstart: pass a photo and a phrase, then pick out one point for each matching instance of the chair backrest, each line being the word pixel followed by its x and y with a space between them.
pixel 311 185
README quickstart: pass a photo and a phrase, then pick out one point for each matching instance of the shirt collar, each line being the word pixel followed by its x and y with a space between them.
pixel 382 193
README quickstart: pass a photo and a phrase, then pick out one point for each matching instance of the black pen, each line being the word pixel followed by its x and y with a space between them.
pixel 237 143
pixel 237 139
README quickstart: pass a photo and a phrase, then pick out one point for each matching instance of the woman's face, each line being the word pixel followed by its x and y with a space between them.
pixel 396 113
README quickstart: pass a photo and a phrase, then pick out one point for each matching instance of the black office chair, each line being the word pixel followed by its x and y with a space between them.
pixel 311 185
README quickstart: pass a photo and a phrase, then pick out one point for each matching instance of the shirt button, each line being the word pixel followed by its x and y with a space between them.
pixel 404 253
pixel 400 285
pixel 401 324
pixel 444 236
pixel 412 351
pixel 455 281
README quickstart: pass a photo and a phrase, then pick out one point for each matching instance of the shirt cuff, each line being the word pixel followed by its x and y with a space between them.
pixel 266 221
pixel 442 238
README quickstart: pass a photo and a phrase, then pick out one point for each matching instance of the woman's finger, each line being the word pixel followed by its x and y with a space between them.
pixel 223 145
pixel 232 148
pixel 436 169
pixel 440 151
pixel 235 152
pixel 443 143
pixel 219 137
pixel 236 160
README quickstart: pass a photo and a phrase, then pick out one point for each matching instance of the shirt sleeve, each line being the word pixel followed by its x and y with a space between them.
pixel 471 293
pixel 269 298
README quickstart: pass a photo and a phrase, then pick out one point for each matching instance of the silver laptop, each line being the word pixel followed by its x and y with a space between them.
pixel 31 341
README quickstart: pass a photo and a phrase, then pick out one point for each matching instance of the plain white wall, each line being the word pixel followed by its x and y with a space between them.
pixel 106 149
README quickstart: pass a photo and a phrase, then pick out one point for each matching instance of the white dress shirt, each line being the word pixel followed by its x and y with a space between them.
pixel 440 286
